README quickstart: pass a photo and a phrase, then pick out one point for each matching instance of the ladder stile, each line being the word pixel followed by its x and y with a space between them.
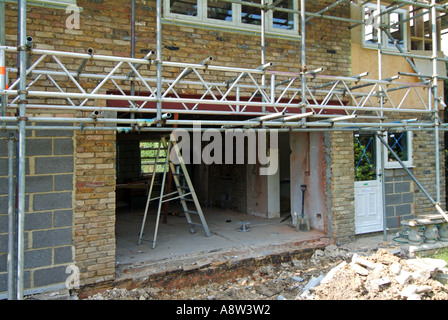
pixel 165 169
pixel 178 170
pixel 193 193
pixel 149 194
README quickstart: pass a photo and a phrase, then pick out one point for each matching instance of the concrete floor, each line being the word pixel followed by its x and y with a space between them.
pixel 175 243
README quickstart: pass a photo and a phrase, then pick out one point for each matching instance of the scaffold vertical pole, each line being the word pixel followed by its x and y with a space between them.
pixel 303 54
pixel 22 43
pixel 159 58
pixel 435 96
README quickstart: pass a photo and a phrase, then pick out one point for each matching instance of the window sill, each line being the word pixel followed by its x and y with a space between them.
pixel 233 29
pixel 398 166
pixel 385 49
pixel 51 4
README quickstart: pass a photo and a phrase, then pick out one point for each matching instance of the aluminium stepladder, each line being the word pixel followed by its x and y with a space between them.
pixel 185 191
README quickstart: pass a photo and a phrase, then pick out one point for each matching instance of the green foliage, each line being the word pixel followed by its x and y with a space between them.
pixel 363 169
pixel 441 254
pixel 148 154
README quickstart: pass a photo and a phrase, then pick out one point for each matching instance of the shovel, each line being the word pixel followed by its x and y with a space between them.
pixel 303 223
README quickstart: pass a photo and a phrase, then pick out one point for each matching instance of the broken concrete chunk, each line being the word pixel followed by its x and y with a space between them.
pixel 426 264
pixel 313 282
pixel 424 288
pixel 409 291
pixel 380 282
pixel 318 253
pixel 364 262
pixel 359 270
pixel 331 247
pixel 333 271
pixel 297 278
pixel 395 268
pixel 422 275
pixel 403 277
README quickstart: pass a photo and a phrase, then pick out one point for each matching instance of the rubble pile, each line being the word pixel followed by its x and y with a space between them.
pixel 382 276
pixel 335 273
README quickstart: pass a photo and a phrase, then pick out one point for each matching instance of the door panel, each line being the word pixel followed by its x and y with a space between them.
pixel 368 195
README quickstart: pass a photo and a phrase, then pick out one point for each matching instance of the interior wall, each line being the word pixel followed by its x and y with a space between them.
pixel 308 168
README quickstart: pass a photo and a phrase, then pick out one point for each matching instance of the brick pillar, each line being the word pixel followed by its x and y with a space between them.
pixel 94 220
pixel 340 185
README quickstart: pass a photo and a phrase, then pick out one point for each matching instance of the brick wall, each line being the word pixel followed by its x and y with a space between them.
pixel 105 26
pixel 49 208
pixel 424 171
pixel 94 220
pixel 340 185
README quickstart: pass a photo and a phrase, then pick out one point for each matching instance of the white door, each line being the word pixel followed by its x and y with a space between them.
pixel 368 195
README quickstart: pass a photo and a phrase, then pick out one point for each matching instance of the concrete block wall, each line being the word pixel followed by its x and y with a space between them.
pixel 404 198
pixel 399 197
pixel 49 208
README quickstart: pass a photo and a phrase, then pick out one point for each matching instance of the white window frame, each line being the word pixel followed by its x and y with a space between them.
pixel 58 4
pixel 393 164
pixel 384 38
pixel 235 24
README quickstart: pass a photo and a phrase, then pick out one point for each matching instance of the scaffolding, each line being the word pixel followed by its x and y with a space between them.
pixel 306 100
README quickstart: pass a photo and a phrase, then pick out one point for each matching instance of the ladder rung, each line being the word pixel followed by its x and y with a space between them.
pixel 187 199
pixel 152 148
pixel 191 212
pixel 195 224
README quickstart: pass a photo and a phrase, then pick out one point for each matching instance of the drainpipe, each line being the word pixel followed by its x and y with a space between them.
pixel 22 47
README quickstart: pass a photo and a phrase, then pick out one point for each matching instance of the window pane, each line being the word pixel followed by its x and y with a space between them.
pixel 284 20
pixel 186 7
pixel 251 15
pixel 370 30
pixel 365 157
pixel 399 144
pixel 219 10
pixel 396 28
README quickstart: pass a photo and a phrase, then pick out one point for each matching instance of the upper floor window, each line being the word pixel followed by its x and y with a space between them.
pixel 232 15
pixel 394 31
pixel 61 4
